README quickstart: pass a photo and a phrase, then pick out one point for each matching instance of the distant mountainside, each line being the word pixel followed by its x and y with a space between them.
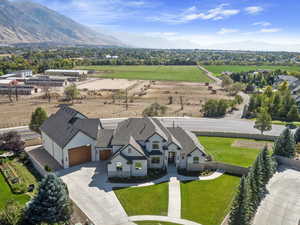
pixel 27 22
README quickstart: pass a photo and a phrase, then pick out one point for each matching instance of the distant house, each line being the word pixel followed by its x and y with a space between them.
pixel 19 89
pixel 136 145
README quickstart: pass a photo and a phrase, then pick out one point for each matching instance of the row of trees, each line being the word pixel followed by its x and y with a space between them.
pixel 51 205
pixel 280 104
pixel 219 108
pixel 252 189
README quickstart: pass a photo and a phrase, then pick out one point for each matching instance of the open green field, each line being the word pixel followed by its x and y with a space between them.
pixel 208 202
pixel 154 223
pixel 218 69
pixel 168 73
pixel 6 194
pixel 222 150
pixel 151 200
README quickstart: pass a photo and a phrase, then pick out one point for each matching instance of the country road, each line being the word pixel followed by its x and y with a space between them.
pixel 189 123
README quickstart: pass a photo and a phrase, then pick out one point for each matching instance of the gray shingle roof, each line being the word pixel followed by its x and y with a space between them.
pixel 62 126
pixel 139 128
pixel 104 138
pixel 188 140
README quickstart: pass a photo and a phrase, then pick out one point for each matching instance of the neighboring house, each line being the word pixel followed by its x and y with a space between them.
pixel 18 89
pixel 82 74
pixel 136 145
pixel 294 86
pixel 46 81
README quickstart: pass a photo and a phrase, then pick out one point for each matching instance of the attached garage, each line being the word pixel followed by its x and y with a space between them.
pixel 105 154
pixel 80 155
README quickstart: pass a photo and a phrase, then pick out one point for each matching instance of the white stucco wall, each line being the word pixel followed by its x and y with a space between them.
pixel 80 139
pixel 112 171
pixel 52 148
pixel 133 151
pixel 190 164
pixel 156 165
pixel 139 172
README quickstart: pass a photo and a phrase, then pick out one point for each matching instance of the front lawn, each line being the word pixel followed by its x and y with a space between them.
pixel 154 223
pixel 222 150
pixel 7 195
pixel 150 200
pixel 208 202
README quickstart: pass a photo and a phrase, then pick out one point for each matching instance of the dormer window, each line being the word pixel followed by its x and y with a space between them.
pixel 155 145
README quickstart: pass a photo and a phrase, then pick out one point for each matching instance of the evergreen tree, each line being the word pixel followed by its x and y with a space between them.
pixel 52 203
pixel 285 144
pixel 37 119
pixel 267 168
pixel 297 135
pixel 263 121
pixel 238 210
pixel 293 114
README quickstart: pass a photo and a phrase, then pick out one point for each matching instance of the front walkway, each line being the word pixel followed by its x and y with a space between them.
pixel 174 208
pixel 162 219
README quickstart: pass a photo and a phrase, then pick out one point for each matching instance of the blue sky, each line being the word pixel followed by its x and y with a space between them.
pixel 202 22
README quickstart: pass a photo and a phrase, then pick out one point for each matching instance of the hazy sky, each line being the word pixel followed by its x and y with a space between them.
pixel 200 22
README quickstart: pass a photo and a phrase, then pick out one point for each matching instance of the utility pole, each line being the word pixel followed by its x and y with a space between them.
pixel 126 100
pixel 181 102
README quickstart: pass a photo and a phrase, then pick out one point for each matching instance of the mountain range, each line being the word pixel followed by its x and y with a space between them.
pixel 28 22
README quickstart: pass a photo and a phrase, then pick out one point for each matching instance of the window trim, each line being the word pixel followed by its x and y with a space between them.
pixel 156 143
pixel 196 161
pixel 138 167
pixel 153 161
pixel 119 166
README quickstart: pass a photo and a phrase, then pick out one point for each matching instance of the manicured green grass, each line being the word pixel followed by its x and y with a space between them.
pixel 6 194
pixel 151 200
pixel 208 202
pixel 218 69
pixel 169 73
pixel 154 223
pixel 222 151
pixel 277 122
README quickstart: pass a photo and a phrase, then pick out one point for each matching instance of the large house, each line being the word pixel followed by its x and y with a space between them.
pixel 136 145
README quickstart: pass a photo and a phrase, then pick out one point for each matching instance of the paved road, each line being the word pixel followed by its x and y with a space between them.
pixel 24 131
pixel 282 205
pixel 207 124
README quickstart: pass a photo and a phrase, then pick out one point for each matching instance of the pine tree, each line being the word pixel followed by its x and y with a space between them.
pixel 238 210
pixel 267 169
pixel 52 203
pixel 37 119
pixel 285 144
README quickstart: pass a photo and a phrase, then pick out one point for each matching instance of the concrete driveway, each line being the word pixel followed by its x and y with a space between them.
pixel 86 184
pixel 282 205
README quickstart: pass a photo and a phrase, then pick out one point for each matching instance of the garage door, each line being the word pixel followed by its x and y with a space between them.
pixel 79 155
pixel 105 154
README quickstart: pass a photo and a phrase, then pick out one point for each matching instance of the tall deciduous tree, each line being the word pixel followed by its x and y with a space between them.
pixel 37 119
pixel 72 92
pixel 297 135
pixel 264 121
pixel 285 144
pixel 293 114
pixel 52 203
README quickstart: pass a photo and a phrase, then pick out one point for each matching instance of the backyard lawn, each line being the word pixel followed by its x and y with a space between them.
pixel 222 150
pixel 7 195
pixel 208 202
pixel 154 223
pixel 169 73
pixel 218 69
pixel 151 200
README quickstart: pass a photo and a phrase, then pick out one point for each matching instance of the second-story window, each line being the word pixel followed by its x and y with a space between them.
pixel 155 145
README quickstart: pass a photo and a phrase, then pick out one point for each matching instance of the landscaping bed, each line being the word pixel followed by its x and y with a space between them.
pixel 223 150
pixel 153 174
pixel 208 202
pixel 149 200
pixel 195 173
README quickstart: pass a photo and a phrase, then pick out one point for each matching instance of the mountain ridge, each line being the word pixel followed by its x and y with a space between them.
pixel 28 22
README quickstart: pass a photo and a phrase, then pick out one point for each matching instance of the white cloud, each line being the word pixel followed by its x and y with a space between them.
pixel 262 23
pixel 192 13
pixel 270 30
pixel 254 9
pixel 227 31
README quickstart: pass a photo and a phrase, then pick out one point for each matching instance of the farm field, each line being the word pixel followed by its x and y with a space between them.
pixel 218 69
pixel 208 202
pixel 151 200
pixel 236 151
pixel 168 73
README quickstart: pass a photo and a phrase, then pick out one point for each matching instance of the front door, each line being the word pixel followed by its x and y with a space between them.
pixel 171 157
